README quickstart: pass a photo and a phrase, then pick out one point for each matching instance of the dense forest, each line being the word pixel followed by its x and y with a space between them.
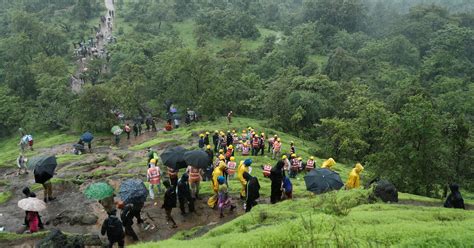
pixel 386 83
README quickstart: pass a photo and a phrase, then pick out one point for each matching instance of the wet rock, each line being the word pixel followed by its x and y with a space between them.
pixel 89 219
pixel 75 219
pixel 57 239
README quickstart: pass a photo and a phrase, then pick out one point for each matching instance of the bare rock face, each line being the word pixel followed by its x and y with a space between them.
pixel 57 239
pixel 75 219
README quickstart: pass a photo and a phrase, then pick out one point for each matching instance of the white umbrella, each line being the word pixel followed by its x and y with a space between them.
pixel 32 204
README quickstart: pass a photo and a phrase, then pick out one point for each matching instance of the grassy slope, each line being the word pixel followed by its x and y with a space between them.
pixel 316 222
pixel 10 148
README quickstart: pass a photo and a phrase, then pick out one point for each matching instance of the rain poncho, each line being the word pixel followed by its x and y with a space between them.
pixel 240 175
pixel 218 171
pixel 276 176
pixel 328 164
pixel 354 177
pixel 454 199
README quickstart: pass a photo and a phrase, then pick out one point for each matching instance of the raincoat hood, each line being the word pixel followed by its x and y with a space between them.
pixel 454 187
pixel 328 163
pixel 359 168
pixel 221 166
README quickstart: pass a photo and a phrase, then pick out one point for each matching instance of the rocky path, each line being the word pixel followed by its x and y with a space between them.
pixel 106 31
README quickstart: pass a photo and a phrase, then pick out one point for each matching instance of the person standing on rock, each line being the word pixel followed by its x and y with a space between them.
pixel 113 227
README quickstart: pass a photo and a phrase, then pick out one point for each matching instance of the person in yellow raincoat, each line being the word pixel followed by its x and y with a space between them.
pixel 218 171
pixel 243 167
pixel 354 177
pixel 328 164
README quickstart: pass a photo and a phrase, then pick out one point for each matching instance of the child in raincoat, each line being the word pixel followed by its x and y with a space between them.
pixel 354 177
pixel 224 200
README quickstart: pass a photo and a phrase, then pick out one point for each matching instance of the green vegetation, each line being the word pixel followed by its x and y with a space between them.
pixel 5 196
pixel 339 219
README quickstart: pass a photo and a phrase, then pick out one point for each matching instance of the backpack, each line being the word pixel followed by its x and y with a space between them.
pixel 114 227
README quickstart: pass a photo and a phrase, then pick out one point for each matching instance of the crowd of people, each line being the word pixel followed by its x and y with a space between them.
pixel 222 167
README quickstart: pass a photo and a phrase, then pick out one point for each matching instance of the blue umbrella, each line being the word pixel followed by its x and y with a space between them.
pixel 322 180
pixel 133 191
pixel 87 137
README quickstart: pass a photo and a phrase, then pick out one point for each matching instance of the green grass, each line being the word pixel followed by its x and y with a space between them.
pixel 153 142
pixel 5 196
pixel 341 219
pixel 9 236
pixel 10 148
pixel 68 158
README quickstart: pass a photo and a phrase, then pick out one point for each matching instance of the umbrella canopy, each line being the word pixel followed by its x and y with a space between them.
pixel 322 180
pixel 116 130
pixel 198 159
pixel 99 191
pixel 43 166
pixel 133 191
pixel 87 137
pixel 174 157
pixel 32 204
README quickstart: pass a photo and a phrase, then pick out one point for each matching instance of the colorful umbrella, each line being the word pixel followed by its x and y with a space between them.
pixel 32 204
pixel 87 137
pixel 133 191
pixel 99 191
pixel 116 130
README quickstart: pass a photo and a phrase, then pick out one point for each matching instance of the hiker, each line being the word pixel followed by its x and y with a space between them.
pixel 231 167
pixel 276 176
pixel 201 141
pixel 152 155
pixel 48 191
pixel 169 202
pixel 206 139
pixel 224 200
pixel 245 149
pixel 294 163
pixel 229 117
pixel 153 124
pixel 135 129
pixel 27 192
pixel 21 163
pixel 113 227
pixel 287 188
pixel 262 143
pixel 127 130
pixel 117 139
pixel 137 210
pixel 251 191
pixel 32 218
pixel 194 180
pixel 292 148
pixel 184 194
pixel 229 138
pixel 301 164
pixel 255 145
pixel 127 219
pixel 176 123
pixel 286 163
pixel 108 203
pixel 328 164
pixel 148 123
pixel 230 152
pixel 223 142
pixel 270 143
pixel 354 177
pixel 168 126
pixel 276 148
pixel 218 171
pixel 173 176
pixel 309 164
pixel 208 172
pixel 215 140
pixel 243 167
pixel 153 176
pixel 454 199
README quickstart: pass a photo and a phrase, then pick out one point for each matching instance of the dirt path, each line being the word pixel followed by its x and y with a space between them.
pixel 106 31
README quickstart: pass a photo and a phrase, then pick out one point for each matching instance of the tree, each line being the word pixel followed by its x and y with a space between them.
pixel 341 65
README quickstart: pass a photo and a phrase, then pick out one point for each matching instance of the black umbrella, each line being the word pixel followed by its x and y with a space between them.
pixel 43 166
pixel 133 191
pixel 197 158
pixel 322 180
pixel 174 157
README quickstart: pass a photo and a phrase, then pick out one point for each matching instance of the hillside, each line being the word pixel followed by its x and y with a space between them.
pixel 330 216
